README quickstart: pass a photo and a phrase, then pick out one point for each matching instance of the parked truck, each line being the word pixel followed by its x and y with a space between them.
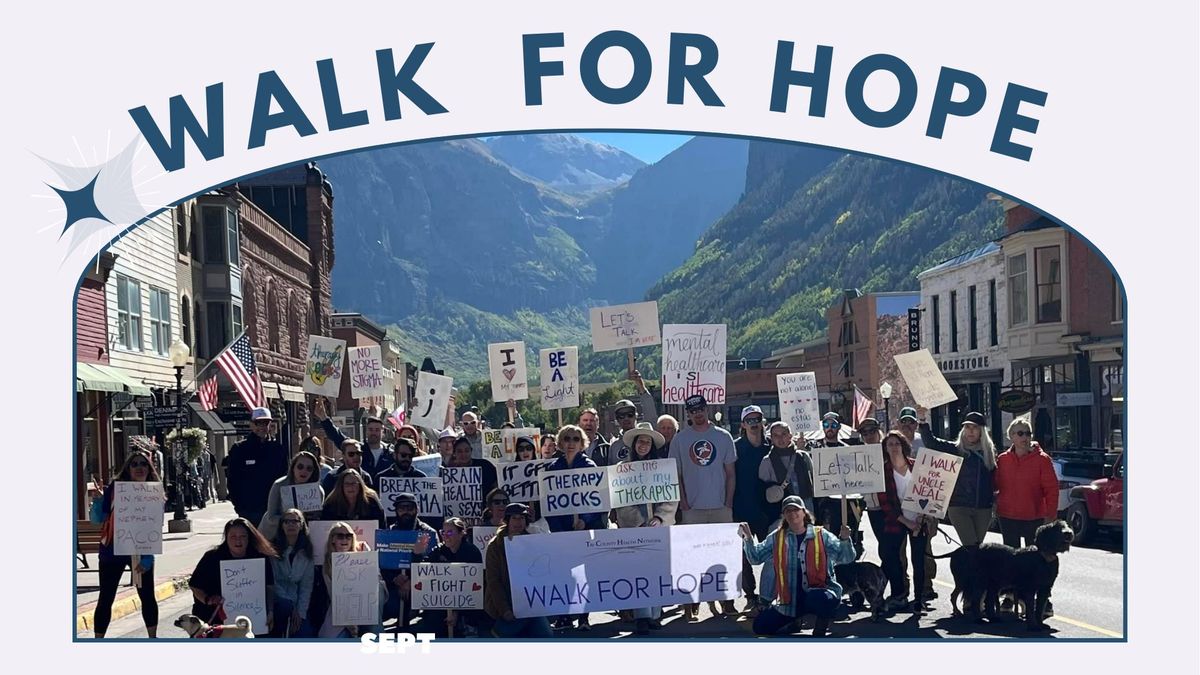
pixel 1099 505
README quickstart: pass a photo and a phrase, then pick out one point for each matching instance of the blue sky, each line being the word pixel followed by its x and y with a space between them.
pixel 647 147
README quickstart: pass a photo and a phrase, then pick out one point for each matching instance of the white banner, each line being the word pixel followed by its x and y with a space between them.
pixel 428 492
pixel 799 404
pixel 323 366
pixel 431 401
pixel 462 492
pixel 693 362
pixel 646 482
pixel 137 518
pixel 366 372
pixel 560 377
pixel 932 483
pixel 854 469
pixel 318 532
pixel 925 381
pixel 447 586
pixel 506 363
pixel 307 497
pixel 625 326
pixel 574 491
pixel 597 570
pixel 521 480
pixel 244 588
pixel 481 536
pixel 355 588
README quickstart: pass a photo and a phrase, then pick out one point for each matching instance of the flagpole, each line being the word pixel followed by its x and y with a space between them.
pixel 196 377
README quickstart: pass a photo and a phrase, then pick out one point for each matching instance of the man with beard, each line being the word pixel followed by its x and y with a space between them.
pixel 399 591
pixel 404 450
pixel 786 471
pixel 627 417
pixel 461 457
pixel 749 502
pixel 352 458
pixel 829 509
pixel 376 456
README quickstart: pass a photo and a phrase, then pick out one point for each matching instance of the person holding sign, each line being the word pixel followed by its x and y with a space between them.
pixel 352 458
pixel 461 457
pixel 799 578
pixel 239 541
pixel 497 587
pixel 526 450
pixel 749 502
pixel 376 456
pixel 398 580
pixel 302 471
pixel 570 441
pixel 786 471
pixel 456 547
pixel 971 504
pixel 351 499
pixel 626 414
pixel 294 572
pixel 342 539
pixel 138 468
pixel 900 525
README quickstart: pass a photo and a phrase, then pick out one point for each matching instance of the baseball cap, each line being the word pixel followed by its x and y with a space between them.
pixel 260 414
pixel 447 433
pixel 750 410
pixel 907 413
pixel 624 404
pixel 832 416
pixel 793 502
pixel 974 418
pixel 404 498
pixel 868 425
pixel 694 402
pixel 516 509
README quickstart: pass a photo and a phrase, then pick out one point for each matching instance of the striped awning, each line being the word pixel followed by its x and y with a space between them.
pixel 98 377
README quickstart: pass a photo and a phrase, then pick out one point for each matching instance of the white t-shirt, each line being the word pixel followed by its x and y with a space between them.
pixel 901 488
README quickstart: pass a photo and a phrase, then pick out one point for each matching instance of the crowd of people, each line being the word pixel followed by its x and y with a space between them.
pixel 762 480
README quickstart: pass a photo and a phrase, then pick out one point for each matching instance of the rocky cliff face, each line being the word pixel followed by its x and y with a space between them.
pixel 566 162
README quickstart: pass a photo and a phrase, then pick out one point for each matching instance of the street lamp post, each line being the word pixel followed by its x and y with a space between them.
pixel 885 390
pixel 179 354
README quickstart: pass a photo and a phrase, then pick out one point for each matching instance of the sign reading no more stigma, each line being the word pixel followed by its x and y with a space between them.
pixel 693 362
pixel 366 372
pixel 625 326
pixel 323 365
pixel 575 491
pixel 848 470
pixel 932 483
pixel 925 381
pixel 137 518
pixel 506 363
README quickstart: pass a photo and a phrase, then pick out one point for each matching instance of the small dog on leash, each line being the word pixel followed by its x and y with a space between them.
pixel 863 581
pixel 194 627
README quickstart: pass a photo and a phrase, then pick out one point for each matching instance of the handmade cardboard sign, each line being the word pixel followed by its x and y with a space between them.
pixel 430 401
pixel 506 362
pixel 575 491
pixel 625 326
pixel 447 586
pixel 854 469
pixel 560 377
pixel 925 381
pixel 366 372
pixel 244 588
pixel 520 480
pixel 481 536
pixel 307 497
pixel 318 532
pixel 355 588
pixel 462 492
pixel 493 446
pixel 932 483
pixel 693 362
pixel 799 405
pixel 646 482
pixel 323 365
pixel 137 518
pixel 428 492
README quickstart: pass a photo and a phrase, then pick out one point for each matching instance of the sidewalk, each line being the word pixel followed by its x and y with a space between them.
pixel 171 569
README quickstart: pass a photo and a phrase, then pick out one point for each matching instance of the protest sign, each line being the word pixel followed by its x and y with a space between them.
pixel 244 588
pixel 693 362
pixel 589 571
pixel 575 491
pixel 366 372
pixel 848 470
pixel 799 405
pixel 932 482
pixel 506 362
pixel 137 518
pixel 428 492
pixel 481 536
pixel 307 497
pixel 428 464
pixel 925 381
pixel 395 548
pixel 625 326
pixel 355 588
pixel 560 377
pixel 323 365
pixel 510 441
pixel 462 492
pixel 431 400
pixel 645 482
pixel 318 532
pixel 447 586
pixel 520 480
pixel 493 446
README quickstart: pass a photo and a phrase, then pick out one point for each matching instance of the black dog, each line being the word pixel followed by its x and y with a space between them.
pixel 863 581
pixel 1036 568
pixel 978 570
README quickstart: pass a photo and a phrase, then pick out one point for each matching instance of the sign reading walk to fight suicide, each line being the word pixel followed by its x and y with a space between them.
pixel 506 361
pixel 693 362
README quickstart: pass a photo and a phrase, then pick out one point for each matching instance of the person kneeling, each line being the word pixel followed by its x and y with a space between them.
pixel 800 579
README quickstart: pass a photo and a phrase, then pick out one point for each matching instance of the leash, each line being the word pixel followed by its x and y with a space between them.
pixel 949 539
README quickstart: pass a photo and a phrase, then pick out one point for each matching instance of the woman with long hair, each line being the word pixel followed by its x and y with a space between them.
pixel 899 525
pixel 456 547
pixel 343 539
pixel 293 575
pixel 971 504
pixel 138 467
pixel 352 499
pixel 571 441
pixel 239 541
pixel 302 471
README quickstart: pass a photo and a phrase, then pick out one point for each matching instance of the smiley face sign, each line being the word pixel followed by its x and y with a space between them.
pixel 433 395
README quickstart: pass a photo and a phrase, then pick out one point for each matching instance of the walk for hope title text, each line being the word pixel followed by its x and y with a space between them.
pixel 691 58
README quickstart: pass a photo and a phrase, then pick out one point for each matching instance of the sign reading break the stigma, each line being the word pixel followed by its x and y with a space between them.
pixel 693 362
pixel 366 372
pixel 848 470
pixel 625 326
pixel 318 532
pixel 646 482
pixel 307 497
pixel 427 490
pixel 244 588
pixel 597 570
pixel 137 518
pixel 323 365
pixel 506 362
pixel 447 586
pixel 355 588
pixel 799 404
pixel 462 492
pixel 575 491
pixel 560 377
pixel 925 381
pixel 431 401
pixel 520 480
pixel 932 482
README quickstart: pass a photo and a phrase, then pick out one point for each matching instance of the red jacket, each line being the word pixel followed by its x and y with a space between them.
pixel 1026 487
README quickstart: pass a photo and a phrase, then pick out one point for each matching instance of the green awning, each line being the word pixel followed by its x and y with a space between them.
pixel 88 376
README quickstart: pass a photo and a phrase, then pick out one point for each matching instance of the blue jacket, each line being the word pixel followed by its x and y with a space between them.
pixel 593 521
pixel 839 552
pixel 974 488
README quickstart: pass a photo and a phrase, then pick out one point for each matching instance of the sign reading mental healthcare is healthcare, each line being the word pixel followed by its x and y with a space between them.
pixel 506 363
pixel 931 483
pixel 625 326
pixel 799 404
pixel 521 480
pixel 427 490
pixel 462 492
pixel 354 588
pixel 848 470
pixel 693 362
pixel 647 482
pixel 447 586
pixel 560 377
pixel 366 372
pixel 589 571
pixel 308 497
pixel 431 400
pixel 137 517
pixel 244 589
pixel 925 381
pixel 575 491
pixel 323 365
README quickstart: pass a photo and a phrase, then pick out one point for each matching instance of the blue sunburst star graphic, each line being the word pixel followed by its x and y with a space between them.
pixel 80 203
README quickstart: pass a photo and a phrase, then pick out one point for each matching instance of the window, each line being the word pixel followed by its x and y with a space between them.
pixel 185 323
pixel 231 225
pixel 237 321
pixel 181 229
pixel 973 331
pixel 218 326
pixel 937 325
pixel 201 346
pixel 848 335
pixel 213 221
pixel 160 320
pixel 1048 268
pixel 992 329
pixel 1018 291
pixel 847 368
pixel 129 313
pixel 953 321
pixel 1118 303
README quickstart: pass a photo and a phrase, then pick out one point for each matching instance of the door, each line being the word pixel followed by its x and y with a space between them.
pixel 1114 493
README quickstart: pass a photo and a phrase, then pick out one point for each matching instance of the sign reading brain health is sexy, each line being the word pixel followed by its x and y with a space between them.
pixel 323 366
pixel 624 326
pixel 693 362
pixel 506 362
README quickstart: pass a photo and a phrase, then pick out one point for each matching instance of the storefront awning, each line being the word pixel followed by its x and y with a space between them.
pixel 210 419
pixel 290 392
pixel 90 377
pixel 131 385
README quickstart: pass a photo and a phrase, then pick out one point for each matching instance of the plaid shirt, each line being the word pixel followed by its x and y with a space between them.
pixel 889 501
pixel 838 552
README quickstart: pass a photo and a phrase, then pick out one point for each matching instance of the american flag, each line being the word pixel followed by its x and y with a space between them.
pixel 208 393
pixel 862 406
pixel 397 417
pixel 237 362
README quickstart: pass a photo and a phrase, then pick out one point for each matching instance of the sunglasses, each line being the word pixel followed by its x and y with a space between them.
pixel 831 425
pixel 404 456
pixel 753 421
pixel 626 415
pixel 572 439
pixel 1023 433
pixel 342 535
pixel 261 423
pixel 352 454
pixel 469 424
pixel 139 465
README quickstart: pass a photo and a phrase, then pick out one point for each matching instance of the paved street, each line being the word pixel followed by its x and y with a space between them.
pixel 1088 598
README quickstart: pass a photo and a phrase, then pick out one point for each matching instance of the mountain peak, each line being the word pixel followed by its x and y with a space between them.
pixel 566 161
